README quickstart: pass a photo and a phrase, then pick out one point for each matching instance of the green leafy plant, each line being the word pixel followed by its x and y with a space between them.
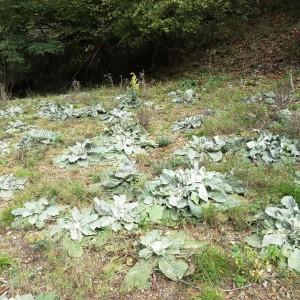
pixel 16 126
pixel 186 191
pixel 250 266
pixel 273 255
pixel 280 227
pixel 9 184
pixel 169 252
pixel 12 111
pixel 200 148
pixel 183 97
pixel 81 154
pixel 44 296
pixel 269 148
pixel 125 174
pixel 188 84
pixel 53 111
pixel 209 293
pixel 188 123
pixel 117 215
pixel 4 148
pixel 38 136
pixel 77 224
pixel 36 212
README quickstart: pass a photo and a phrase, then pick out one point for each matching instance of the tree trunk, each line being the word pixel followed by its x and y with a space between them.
pixel 3 93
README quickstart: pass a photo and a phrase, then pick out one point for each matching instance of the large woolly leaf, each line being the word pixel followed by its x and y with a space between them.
pixel 200 148
pixel 294 260
pixel 280 226
pixel 12 111
pixel 183 97
pixel 16 126
pixel 128 100
pixel 55 111
pixel 77 224
pixel 173 268
pixel 186 190
pixel 38 136
pixel 4 148
pixel 37 212
pixel 124 174
pixel 139 276
pixel 9 184
pixel 44 296
pixel 82 154
pixel 188 123
pixel 269 148
pixel 117 215
pixel 73 248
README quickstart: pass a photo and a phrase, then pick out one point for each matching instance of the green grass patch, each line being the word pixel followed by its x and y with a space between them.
pixel 288 189
pixel 209 293
pixel 213 266
pixel 6 217
pixel 5 261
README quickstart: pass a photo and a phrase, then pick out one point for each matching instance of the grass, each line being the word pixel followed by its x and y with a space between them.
pixel 288 189
pixel 6 217
pixel 5 261
pixel 171 163
pixel 209 293
pixel 213 266
pixel 164 141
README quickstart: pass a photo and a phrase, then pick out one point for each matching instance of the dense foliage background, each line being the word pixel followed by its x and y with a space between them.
pixel 48 43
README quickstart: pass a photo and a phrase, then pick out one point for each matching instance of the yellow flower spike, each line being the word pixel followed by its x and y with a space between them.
pixel 134 84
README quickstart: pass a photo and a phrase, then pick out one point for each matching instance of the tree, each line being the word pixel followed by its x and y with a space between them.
pixel 96 36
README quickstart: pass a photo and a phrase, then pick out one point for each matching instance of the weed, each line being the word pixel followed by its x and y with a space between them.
pixel 5 261
pixel 29 173
pixel 144 116
pixel 209 293
pixel 212 266
pixel 288 189
pixel 186 84
pixel 67 191
pixel 172 163
pixel 34 157
pixel 6 217
pixel 143 159
pixel 213 82
pixel 283 94
pixel 41 246
pixel 238 217
pixel 96 178
pixel 210 216
pixel 250 266
pixel 273 255
pixel 164 141
pixel 293 125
